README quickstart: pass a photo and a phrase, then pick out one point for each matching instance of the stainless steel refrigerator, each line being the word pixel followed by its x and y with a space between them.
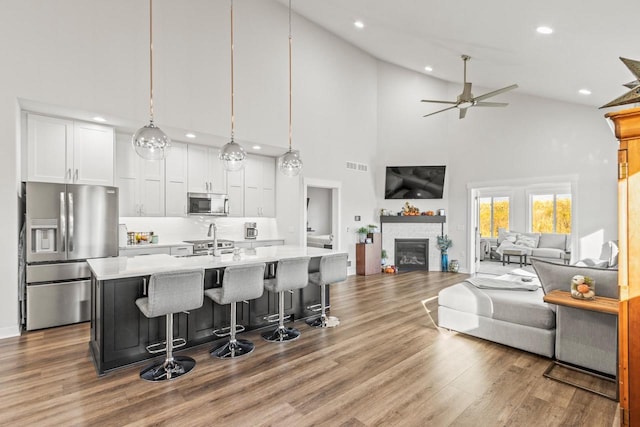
pixel 65 225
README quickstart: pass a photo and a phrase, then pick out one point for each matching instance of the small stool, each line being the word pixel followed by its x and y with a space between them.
pixel 169 293
pixel 508 253
pixel 239 283
pixel 333 268
pixel 292 273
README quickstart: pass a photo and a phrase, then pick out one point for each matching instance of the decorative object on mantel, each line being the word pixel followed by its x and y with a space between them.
pixel 583 287
pixel 633 95
pixel 149 141
pixel 410 210
pixel 290 163
pixel 232 154
pixel 444 243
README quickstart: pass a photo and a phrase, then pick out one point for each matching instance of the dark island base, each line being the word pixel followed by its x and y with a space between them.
pixel 120 333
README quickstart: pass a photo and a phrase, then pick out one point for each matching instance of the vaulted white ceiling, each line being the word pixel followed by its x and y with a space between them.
pixel 501 38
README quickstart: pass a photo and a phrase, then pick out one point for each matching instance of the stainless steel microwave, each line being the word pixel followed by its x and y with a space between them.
pixel 207 204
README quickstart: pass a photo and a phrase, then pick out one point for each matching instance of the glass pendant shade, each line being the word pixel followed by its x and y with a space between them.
pixel 151 143
pixel 290 163
pixel 232 155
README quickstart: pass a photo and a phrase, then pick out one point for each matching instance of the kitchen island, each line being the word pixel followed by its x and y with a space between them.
pixel 120 332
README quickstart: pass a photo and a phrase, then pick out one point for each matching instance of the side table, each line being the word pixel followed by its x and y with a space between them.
pixel 601 305
pixel 508 253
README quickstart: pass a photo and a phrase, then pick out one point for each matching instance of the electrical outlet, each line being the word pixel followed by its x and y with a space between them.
pixel 348 263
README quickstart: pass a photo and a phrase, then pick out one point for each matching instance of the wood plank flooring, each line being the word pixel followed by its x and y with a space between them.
pixel 385 365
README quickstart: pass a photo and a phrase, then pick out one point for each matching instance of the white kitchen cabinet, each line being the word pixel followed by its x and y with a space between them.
pixel 206 171
pixel 176 178
pixel 144 250
pixel 140 182
pixel 65 151
pixel 246 244
pixel 259 186
pixel 235 191
pixel 182 250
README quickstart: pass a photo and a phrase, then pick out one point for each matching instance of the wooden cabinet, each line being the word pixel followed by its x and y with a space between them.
pixel 206 171
pixel 627 130
pixel 368 255
pixel 235 191
pixel 140 182
pixel 259 186
pixel 176 179
pixel 66 151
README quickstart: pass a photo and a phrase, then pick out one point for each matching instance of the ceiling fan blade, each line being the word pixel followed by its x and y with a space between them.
pixel 463 112
pixel 466 93
pixel 439 102
pixel 439 111
pixel 490 104
pixel 495 92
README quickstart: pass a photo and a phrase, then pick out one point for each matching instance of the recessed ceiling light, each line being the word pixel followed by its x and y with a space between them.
pixel 584 92
pixel 99 119
pixel 429 69
pixel 359 24
pixel 256 147
pixel 544 30
pixel 190 135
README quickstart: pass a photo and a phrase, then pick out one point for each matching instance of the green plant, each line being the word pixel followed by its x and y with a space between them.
pixel 383 254
pixel 362 230
pixel 444 243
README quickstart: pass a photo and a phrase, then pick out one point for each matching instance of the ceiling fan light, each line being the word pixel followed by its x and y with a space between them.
pixel 232 155
pixel 290 163
pixel 151 143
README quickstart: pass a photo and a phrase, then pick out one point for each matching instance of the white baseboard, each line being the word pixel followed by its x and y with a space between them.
pixel 9 331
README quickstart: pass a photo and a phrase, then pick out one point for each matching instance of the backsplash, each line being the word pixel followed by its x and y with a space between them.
pixel 174 229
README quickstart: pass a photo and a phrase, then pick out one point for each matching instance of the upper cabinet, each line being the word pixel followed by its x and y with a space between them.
pixel 259 186
pixel 206 172
pixel 176 179
pixel 141 182
pixel 69 152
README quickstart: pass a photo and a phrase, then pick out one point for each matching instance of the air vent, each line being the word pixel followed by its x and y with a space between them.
pixel 360 167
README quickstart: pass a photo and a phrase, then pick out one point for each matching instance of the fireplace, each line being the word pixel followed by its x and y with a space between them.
pixel 412 254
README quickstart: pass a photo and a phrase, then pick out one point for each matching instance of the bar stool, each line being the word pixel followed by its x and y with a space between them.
pixel 239 283
pixel 333 268
pixel 291 273
pixel 169 293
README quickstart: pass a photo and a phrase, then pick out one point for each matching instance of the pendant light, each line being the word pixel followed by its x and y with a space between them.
pixel 290 163
pixel 149 141
pixel 232 154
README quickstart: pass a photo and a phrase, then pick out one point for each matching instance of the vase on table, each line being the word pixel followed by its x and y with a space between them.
pixel 444 261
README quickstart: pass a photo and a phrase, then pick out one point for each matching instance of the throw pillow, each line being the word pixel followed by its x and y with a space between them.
pixel 593 262
pixel 528 241
pixel 510 236
pixel 613 257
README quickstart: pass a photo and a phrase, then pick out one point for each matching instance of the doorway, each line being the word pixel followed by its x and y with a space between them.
pixel 321 214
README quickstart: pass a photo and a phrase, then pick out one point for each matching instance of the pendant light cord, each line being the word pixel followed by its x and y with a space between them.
pixel 232 110
pixel 290 79
pixel 151 60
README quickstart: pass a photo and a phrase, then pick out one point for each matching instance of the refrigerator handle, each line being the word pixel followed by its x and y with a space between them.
pixel 63 222
pixel 70 195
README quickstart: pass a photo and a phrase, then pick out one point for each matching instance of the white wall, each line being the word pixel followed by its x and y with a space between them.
pixel 319 210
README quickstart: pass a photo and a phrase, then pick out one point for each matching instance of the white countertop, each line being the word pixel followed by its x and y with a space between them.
pixel 156 245
pixel 120 267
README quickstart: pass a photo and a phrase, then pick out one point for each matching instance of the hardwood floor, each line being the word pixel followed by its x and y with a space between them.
pixel 385 365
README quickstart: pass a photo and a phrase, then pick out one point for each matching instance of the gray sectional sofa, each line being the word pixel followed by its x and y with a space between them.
pixel 521 319
pixel 550 246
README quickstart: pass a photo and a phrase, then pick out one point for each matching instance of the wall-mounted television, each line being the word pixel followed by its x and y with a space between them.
pixel 414 182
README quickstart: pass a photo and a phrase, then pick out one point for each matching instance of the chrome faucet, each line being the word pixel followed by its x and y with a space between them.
pixel 213 231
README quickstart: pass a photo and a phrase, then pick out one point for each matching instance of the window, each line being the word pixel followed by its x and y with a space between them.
pixel 494 214
pixel 551 213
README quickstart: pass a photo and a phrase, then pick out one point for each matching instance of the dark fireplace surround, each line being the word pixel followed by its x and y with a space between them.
pixel 411 254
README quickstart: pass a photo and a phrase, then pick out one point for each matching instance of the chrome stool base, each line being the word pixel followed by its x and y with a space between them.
pixel 324 322
pixel 168 370
pixel 281 334
pixel 233 349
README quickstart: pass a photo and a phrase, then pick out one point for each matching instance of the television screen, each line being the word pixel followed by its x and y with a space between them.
pixel 414 182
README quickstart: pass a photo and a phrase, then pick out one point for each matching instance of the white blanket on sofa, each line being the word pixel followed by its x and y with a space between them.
pixel 489 283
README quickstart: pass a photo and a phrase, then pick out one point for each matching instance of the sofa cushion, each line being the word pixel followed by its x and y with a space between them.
pixel 527 239
pixel 521 307
pixel 553 240
pixel 558 276
pixel 547 253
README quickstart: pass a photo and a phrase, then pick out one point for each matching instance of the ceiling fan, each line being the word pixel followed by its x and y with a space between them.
pixel 466 98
